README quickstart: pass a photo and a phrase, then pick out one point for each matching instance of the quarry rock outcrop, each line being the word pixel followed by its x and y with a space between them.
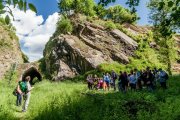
pixel 87 47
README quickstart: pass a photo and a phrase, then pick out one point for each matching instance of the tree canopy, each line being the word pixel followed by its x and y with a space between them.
pixel 78 6
pixel 88 7
pixel 165 16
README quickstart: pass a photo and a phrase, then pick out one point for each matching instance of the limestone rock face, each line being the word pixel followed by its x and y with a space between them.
pixel 86 48
pixel 10 52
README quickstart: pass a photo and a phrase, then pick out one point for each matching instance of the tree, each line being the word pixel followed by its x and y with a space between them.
pixel 65 6
pixel 78 6
pixel 105 2
pixel 165 16
pixel 22 5
pixel 119 14
pixel 100 11
pixel 132 3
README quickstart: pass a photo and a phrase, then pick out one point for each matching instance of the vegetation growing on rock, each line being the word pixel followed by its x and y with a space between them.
pixel 10 52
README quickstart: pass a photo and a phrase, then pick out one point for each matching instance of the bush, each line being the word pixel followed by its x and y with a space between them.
pixel 64 26
pixel 110 25
pixel 25 58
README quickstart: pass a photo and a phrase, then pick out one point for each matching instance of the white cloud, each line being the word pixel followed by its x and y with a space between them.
pixel 33 31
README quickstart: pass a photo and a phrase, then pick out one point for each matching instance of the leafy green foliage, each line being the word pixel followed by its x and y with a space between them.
pixel 7 19
pixel 64 26
pixel 89 8
pixel 119 14
pixel 22 5
pixel 32 7
pixel 105 2
pixel 110 25
pixel 165 24
pixel 25 58
pixel 100 11
pixel 132 4
pixel 78 6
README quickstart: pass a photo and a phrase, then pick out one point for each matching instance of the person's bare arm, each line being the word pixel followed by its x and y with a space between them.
pixel 19 90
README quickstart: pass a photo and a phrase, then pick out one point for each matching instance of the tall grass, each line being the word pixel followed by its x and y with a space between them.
pixel 72 101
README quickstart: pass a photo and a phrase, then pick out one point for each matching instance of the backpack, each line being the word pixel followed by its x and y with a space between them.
pixel 23 86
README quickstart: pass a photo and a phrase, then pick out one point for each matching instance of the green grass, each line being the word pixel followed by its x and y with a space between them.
pixel 72 101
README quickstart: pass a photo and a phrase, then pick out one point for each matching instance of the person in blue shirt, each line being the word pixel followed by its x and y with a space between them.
pixel 107 80
pixel 132 80
pixel 163 77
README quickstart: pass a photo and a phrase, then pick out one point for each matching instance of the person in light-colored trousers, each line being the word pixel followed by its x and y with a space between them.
pixel 27 95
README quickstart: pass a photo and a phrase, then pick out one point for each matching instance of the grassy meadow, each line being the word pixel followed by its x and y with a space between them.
pixel 73 101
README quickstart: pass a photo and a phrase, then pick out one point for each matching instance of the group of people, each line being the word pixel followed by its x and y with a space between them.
pixel 23 90
pixel 135 80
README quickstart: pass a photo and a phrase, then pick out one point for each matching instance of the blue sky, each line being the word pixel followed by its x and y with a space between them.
pixel 48 7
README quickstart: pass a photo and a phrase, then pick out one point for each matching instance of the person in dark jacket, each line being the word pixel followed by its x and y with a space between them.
pixel 124 81
pixel 150 79
pixel 114 77
pixel 163 76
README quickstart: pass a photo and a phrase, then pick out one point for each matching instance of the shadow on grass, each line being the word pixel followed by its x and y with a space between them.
pixel 97 106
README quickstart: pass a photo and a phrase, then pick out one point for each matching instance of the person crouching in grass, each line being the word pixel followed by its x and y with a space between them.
pixel 27 94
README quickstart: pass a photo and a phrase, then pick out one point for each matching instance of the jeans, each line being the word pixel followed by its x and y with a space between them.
pixel 19 99
pixel 26 102
pixel 163 85
pixel 133 86
pixel 90 86
pixel 114 84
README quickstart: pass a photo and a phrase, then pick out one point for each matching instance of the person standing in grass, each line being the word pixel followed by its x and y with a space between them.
pixel 27 94
pixel 114 77
pixel 163 76
pixel 137 77
pixel 123 81
pixel 156 76
pixel 120 81
pixel 107 80
pixel 104 82
pixel 90 82
pixel 95 81
pixel 21 87
pixel 126 80
pixel 150 80
pixel 132 81
pixel 19 94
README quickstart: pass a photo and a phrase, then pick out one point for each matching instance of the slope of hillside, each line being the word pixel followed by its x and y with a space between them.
pixel 94 42
pixel 10 52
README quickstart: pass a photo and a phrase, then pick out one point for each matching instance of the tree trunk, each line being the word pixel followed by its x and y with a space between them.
pixel 168 58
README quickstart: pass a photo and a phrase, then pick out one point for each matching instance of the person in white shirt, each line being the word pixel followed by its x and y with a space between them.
pixel 27 94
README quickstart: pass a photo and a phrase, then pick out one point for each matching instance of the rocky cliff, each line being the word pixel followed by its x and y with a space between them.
pixel 88 46
pixel 10 52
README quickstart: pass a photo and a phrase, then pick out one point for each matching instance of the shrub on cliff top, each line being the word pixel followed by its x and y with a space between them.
pixel 64 26
pixel 110 25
